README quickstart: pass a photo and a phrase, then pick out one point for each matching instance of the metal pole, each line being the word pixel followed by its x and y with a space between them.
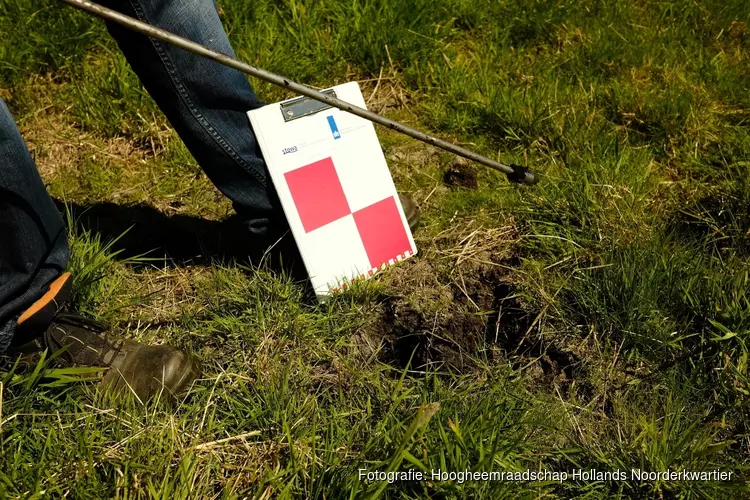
pixel 515 173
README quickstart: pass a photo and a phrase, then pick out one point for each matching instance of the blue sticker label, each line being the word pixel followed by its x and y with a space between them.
pixel 334 127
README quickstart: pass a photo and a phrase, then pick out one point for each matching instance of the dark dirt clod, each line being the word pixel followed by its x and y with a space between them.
pixel 461 174
pixel 512 328
pixel 450 339
pixel 422 323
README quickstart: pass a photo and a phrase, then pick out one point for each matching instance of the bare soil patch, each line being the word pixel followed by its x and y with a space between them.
pixel 456 306
pixel 461 174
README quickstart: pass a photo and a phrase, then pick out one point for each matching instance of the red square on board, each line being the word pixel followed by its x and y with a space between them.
pixel 382 231
pixel 317 194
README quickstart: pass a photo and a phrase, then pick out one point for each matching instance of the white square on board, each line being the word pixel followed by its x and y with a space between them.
pixel 334 250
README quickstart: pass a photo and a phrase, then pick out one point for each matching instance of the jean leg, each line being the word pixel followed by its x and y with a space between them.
pixel 33 241
pixel 204 101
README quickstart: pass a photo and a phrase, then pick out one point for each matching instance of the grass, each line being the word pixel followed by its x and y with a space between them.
pixel 597 320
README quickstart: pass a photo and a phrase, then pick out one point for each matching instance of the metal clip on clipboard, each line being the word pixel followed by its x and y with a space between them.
pixel 304 106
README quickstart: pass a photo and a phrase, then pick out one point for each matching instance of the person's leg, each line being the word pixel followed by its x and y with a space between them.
pixel 34 290
pixel 204 101
pixel 33 241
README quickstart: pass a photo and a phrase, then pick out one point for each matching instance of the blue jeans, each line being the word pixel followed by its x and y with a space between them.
pixel 206 104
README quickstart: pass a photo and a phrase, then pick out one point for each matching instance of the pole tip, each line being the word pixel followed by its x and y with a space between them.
pixel 522 175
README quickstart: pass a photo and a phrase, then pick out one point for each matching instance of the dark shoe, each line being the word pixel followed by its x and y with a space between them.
pixel 411 211
pixel 131 367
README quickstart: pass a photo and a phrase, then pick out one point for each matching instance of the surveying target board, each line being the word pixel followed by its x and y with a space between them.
pixel 335 188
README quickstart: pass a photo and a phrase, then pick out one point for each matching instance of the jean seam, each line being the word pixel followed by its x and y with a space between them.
pixel 182 92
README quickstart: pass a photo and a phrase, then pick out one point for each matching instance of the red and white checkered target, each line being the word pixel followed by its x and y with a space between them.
pixel 321 201
pixel 336 190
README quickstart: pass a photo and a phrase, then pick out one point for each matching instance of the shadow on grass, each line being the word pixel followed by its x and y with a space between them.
pixel 183 240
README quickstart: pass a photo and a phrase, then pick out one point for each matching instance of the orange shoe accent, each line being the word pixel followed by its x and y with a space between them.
pixel 50 296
